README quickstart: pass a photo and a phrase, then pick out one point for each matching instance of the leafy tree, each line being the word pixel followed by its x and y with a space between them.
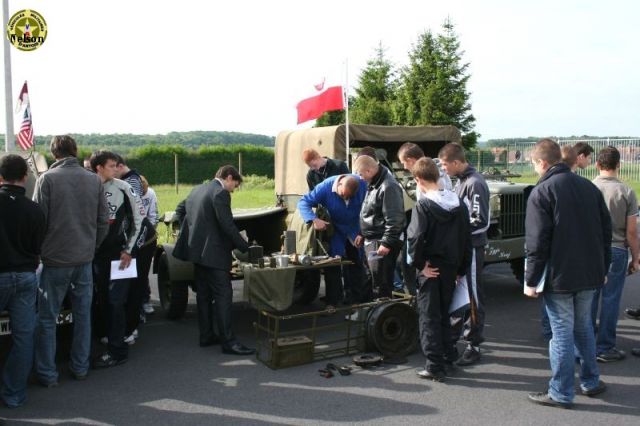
pixel 433 87
pixel 376 92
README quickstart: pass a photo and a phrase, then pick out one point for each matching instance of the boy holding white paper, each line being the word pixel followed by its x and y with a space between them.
pixel 125 219
pixel 439 245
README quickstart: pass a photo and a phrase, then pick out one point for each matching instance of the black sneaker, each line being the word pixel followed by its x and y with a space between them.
pixel 543 398
pixel 470 356
pixel 635 351
pixel 611 355
pixel 633 313
pixel 601 387
pixel 106 360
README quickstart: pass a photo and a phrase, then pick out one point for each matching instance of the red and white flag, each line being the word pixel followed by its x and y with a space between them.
pixel 331 99
pixel 25 136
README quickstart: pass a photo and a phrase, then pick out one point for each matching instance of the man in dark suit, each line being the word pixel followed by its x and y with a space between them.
pixel 207 237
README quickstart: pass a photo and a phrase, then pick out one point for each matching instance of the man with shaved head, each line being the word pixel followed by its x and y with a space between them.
pixel 342 198
pixel 382 220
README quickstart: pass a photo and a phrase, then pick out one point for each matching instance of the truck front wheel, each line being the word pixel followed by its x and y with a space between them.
pixel 174 295
pixel 306 287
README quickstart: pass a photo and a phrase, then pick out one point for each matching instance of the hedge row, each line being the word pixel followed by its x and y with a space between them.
pixel 195 166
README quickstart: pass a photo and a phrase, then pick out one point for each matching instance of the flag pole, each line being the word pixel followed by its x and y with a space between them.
pixel 9 137
pixel 346 102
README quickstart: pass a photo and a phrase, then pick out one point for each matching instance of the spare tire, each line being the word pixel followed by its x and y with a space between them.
pixel 392 329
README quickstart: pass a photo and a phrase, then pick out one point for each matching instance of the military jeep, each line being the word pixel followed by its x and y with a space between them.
pixel 506 231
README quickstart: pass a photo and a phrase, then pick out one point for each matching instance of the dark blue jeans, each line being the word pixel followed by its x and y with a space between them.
pixel 54 283
pixel 570 317
pixel 609 303
pixel 18 296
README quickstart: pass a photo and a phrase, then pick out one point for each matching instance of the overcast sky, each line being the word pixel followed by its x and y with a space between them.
pixel 543 68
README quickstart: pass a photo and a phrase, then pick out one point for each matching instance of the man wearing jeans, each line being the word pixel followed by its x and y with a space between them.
pixel 75 211
pixel 568 255
pixel 21 235
pixel 623 206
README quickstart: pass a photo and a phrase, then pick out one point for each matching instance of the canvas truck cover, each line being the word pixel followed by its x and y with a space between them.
pixel 291 171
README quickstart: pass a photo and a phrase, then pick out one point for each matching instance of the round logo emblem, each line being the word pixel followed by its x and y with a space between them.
pixel 27 30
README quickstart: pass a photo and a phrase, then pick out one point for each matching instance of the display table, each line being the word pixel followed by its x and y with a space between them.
pixel 271 289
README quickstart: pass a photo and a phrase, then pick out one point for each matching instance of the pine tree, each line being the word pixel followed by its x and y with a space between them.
pixel 433 87
pixel 376 91
pixel 456 108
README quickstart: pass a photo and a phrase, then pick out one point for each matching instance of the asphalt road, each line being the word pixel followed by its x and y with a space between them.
pixel 170 380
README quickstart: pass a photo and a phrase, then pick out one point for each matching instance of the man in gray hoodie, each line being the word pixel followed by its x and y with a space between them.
pixel 76 214
pixel 473 190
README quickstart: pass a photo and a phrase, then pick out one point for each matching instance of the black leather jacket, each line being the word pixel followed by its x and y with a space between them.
pixel 382 216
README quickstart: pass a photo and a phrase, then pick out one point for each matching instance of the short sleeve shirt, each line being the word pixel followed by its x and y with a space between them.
pixel 622 203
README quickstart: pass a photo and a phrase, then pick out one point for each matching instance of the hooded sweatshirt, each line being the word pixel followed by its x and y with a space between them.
pixel 439 232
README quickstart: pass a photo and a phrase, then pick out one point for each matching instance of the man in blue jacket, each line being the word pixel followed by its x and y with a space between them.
pixel 568 255
pixel 342 197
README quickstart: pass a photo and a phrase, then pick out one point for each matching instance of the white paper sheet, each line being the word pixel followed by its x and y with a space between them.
pixel 117 274
pixel 543 278
pixel 460 295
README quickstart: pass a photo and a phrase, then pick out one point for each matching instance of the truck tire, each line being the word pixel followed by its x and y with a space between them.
pixel 174 295
pixel 392 329
pixel 517 267
pixel 306 287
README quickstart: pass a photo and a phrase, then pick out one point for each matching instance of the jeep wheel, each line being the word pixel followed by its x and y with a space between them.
pixel 174 295
pixel 517 267
pixel 306 287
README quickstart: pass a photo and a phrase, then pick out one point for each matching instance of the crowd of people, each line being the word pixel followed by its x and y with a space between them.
pixel 578 238
pixel 63 244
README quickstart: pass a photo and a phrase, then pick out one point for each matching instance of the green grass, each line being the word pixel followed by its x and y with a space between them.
pixel 256 191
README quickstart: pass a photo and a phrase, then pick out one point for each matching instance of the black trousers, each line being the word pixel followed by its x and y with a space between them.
pixel 139 286
pixel 461 320
pixel 433 299
pixel 109 308
pixel 214 299
pixel 380 271
pixel 353 276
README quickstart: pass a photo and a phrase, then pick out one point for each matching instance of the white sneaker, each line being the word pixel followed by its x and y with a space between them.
pixel 104 340
pixel 135 333
pixel 148 308
pixel 353 317
pixel 130 340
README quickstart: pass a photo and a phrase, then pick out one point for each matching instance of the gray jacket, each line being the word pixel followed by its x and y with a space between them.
pixel 75 210
pixel 473 189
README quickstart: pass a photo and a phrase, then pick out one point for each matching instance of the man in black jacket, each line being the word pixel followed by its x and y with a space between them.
pixel 321 168
pixel 439 244
pixel 382 221
pixel 22 227
pixel 207 237
pixel 568 255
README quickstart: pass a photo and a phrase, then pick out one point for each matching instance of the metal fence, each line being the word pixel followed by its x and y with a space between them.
pixel 516 158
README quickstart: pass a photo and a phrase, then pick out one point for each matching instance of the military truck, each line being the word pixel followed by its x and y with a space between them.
pixel 506 231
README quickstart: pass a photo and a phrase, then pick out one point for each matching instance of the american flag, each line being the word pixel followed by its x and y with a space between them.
pixel 25 135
